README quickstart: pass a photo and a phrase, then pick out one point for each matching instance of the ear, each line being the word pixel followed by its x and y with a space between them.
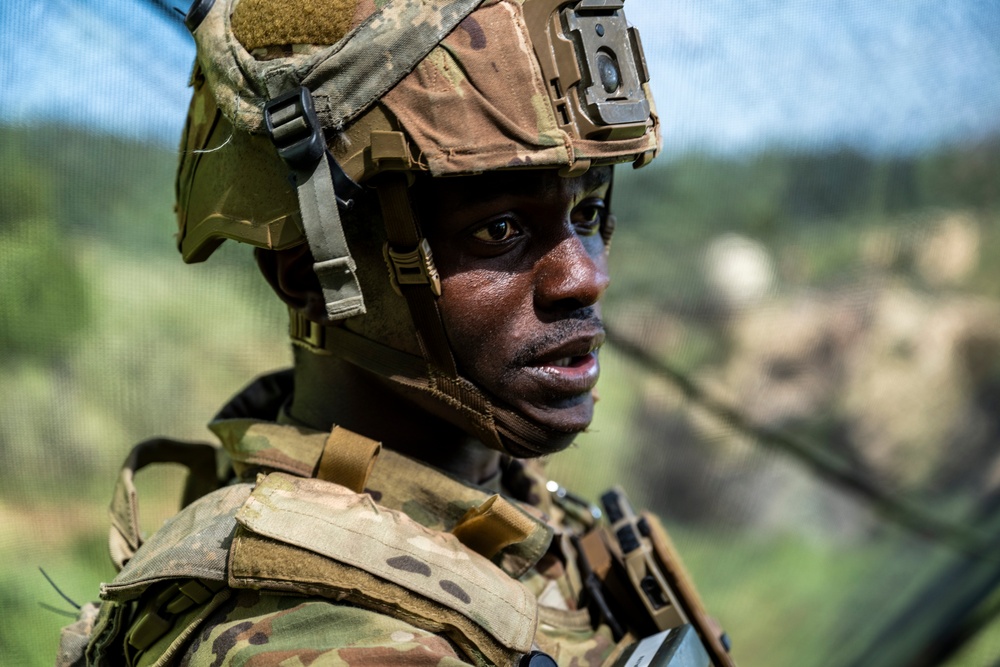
pixel 291 276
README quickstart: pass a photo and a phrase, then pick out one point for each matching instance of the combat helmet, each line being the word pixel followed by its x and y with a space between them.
pixel 299 104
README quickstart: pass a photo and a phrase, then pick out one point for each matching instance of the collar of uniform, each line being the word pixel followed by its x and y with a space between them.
pixel 428 496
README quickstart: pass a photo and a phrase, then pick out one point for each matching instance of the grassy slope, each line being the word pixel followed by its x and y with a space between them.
pixel 145 347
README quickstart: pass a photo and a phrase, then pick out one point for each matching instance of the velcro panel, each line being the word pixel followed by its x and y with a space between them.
pixel 351 529
pixel 259 23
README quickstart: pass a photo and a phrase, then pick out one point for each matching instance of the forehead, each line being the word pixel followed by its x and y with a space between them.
pixel 541 184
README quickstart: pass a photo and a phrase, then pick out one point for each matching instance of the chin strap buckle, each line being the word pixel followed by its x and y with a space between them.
pixel 412 267
pixel 306 333
pixel 294 128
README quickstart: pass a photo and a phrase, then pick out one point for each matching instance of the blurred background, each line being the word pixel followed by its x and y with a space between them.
pixel 803 377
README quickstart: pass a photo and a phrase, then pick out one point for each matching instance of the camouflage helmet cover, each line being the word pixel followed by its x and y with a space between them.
pixel 532 84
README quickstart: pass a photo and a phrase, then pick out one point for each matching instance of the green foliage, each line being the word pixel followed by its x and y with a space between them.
pixel 44 303
pixel 75 561
pixel 811 209
pixel 90 185
pixel 967 176
pixel 27 193
pixel 108 339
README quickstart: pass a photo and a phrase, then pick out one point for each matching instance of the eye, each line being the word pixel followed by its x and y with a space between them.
pixel 588 217
pixel 496 231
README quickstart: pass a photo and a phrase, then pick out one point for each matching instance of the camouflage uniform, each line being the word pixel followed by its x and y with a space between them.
pixel 279 567
pixel 320 549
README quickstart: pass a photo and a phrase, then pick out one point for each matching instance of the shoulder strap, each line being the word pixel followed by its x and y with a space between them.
pixel 125 536
pixel 191 545
pixel 397 482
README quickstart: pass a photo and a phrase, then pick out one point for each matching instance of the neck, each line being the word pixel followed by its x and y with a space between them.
pixel 330 391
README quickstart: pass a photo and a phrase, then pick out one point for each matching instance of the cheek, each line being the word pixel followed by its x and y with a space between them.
pixel 485 315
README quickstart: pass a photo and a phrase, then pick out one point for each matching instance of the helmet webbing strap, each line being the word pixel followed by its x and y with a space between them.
pixel 334 265
pixel 413 273
pixel 298 137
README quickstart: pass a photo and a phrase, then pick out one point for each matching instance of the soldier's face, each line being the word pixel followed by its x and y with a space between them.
pixel 523 266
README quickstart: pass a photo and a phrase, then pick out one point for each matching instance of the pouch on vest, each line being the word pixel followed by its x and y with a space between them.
pixel 344 546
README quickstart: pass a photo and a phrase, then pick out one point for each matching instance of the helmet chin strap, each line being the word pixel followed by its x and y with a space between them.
pixel 454 399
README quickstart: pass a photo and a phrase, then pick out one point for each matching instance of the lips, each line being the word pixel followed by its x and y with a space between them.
pixel 570 369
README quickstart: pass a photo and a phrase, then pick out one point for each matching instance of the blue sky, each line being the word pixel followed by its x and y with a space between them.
pixel 730 77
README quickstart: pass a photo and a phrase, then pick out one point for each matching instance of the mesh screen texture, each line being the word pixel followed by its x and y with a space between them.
pixel 803 370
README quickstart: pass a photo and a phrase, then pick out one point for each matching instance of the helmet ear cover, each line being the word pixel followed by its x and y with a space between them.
pixel 233 185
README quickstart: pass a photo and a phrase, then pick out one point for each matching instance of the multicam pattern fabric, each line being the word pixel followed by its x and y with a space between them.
pixel 193 543
pixel 353 530
pixel 471 104
pixel 345 78
pixel 264 630
pixel 482 110
pixel 446 86
pixel 318 603
pixel 432 499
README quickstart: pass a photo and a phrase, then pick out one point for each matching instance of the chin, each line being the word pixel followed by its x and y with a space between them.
pixel 541 429
pixel 569 416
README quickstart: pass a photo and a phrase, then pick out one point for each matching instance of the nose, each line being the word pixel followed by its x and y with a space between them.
pixel 572 275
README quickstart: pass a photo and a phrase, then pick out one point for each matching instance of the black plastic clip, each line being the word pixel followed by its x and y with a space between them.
pixel 196 13
pixel 295 130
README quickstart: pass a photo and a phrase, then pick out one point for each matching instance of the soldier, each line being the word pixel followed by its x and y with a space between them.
pixel 428 187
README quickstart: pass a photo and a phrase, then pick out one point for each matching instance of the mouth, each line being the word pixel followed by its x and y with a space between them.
pixel 571 369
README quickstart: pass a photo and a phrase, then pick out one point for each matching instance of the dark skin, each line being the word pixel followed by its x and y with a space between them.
pixel 523 266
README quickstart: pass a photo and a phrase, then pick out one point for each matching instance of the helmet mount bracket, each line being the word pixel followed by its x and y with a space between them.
pixel 594 65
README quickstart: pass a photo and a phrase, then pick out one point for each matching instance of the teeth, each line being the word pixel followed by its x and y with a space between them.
pixel 562 363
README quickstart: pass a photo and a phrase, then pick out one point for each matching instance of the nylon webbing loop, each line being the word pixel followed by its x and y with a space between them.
pixel 492 526
pixel 298 137
pixel 404 238
pixel 334 265
pixel 348 459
